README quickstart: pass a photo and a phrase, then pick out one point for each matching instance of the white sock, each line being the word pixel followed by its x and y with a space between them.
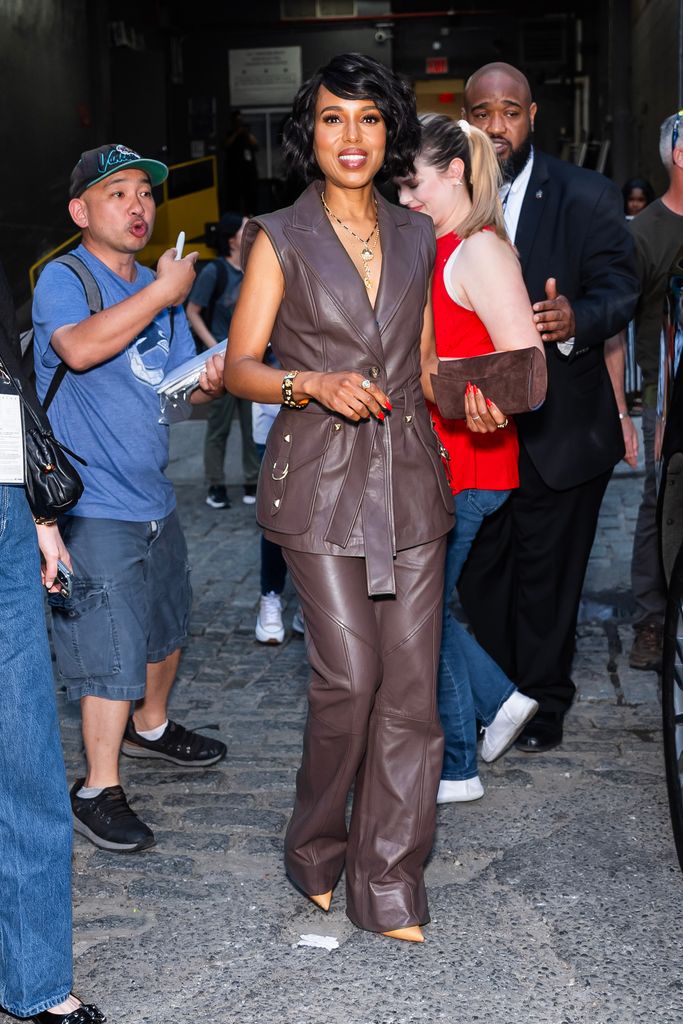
pixel 89 792
pixel 153 734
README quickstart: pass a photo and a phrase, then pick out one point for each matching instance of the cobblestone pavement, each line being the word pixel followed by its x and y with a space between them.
pixel 554 900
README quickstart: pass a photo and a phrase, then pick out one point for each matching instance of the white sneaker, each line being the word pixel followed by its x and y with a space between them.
pixel 507 725
pixel 459 791
pixel 269 627
pixel 298 621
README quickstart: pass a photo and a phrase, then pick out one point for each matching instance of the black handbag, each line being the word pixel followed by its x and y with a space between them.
pixel 53 485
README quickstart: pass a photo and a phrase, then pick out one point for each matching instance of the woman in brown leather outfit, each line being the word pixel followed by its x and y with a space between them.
pixel 352 486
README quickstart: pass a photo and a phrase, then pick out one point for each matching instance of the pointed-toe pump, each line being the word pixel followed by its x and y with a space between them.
pixel 412 934
pixel 323 901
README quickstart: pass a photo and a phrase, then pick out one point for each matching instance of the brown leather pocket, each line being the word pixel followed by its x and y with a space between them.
pixel 291 470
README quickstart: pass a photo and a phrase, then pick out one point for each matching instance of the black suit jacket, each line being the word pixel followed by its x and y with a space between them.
pixel 572 228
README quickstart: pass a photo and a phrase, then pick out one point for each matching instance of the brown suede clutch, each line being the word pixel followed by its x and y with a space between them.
pixel 516 381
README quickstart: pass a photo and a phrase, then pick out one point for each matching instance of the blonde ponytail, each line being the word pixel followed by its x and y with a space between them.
pixel 484 182
pixel 444 139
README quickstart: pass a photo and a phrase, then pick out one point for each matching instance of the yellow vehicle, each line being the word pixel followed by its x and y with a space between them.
pixel 187 201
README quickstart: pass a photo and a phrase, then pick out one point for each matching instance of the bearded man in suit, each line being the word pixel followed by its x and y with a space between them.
pixel 521 586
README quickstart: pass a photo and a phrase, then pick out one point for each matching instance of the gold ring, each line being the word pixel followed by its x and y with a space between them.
pixel 366 384
pixel 502 426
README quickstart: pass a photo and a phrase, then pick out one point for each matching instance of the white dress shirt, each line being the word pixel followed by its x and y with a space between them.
pixel 512 196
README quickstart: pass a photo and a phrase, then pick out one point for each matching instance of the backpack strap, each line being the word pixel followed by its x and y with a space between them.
pixel 91 288
pixel 93 297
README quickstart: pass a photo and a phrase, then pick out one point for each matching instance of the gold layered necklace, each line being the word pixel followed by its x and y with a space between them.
pixel 367 253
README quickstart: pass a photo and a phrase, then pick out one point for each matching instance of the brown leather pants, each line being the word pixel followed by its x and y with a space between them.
pixel 372 720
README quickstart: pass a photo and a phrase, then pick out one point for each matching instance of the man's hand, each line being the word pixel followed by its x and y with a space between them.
pixel 630 441
pixel 554 318
pixel 52 547
pixel 210 381
pixel 176 276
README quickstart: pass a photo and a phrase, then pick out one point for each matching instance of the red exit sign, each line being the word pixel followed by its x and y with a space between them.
pixel 437 65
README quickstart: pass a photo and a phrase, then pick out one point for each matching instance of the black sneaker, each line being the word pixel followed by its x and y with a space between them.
pixel 178 745
pixel 108 822
pixel 249 494
pixel 218 497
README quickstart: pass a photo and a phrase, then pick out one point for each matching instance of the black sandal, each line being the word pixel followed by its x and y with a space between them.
pixel 83 1014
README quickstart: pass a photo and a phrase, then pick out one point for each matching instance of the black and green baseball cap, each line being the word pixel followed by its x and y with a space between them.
pixel 97 164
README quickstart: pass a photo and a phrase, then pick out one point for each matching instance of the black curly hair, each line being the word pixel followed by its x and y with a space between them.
pixel 644 185
pixel 353 76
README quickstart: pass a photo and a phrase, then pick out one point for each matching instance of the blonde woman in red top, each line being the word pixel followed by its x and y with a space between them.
pixel 480 305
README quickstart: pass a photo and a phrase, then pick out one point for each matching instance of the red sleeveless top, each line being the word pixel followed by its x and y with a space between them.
pixel 486 462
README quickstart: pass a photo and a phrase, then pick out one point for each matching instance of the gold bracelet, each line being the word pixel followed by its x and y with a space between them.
pixel 288 389
pixel 44 521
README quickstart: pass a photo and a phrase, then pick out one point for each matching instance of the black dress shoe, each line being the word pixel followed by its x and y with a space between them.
pixel 542 733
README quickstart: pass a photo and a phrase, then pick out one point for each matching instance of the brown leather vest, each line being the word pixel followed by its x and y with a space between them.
pixel 329 485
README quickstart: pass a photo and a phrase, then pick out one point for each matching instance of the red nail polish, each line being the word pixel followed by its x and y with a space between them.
pixel 489 402
pixel 389 406
pixel 380 415
pixel 475 389
pixel 468 388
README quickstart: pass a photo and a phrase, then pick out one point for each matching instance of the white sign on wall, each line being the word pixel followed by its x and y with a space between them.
pixel 263 77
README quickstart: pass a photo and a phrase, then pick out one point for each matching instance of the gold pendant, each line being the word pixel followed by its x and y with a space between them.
pixel 367 254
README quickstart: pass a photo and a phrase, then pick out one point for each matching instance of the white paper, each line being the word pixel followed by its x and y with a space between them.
pixel 11 440
pixel 319 941
pixel 186 376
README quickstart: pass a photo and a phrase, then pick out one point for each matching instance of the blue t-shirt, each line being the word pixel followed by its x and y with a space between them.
pixel 109 415
pixel 203 292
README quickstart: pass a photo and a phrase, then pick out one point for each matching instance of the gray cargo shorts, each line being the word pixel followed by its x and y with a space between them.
pixel 130 604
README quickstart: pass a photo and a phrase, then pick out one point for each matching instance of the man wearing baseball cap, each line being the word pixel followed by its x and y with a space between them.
pixel 97 164
pixel 118 636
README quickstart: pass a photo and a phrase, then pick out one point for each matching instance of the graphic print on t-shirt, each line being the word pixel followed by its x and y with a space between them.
pixel 148 354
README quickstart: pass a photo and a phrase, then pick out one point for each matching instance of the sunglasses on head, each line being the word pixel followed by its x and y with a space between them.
pixel 675 130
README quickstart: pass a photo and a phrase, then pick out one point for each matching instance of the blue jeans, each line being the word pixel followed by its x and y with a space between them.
pixel 273 567
pixel 471 685
pixel 35 817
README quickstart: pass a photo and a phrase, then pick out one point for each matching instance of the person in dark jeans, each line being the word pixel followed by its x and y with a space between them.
pixel 214 294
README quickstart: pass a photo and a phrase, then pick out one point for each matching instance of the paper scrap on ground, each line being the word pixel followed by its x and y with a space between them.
pixel 319 941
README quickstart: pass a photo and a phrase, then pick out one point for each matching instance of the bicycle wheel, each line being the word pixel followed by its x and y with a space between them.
pixel 672 702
